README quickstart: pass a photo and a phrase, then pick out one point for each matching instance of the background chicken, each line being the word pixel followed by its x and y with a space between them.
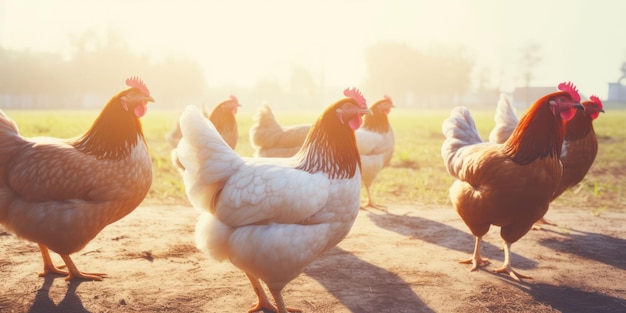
pixel 62 193
pixel 376 144
pixel 272 217
pixel 271 140
pixel 222 116
pixel 580 146
pixel 375 140
pixel 508 185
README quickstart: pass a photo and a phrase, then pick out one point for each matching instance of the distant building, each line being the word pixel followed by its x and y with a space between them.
pixel 617 92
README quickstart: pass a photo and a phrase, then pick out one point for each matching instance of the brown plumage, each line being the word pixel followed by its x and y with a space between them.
pixel 580 145
pixel 508 185
pixel 222 117
pixel 62 193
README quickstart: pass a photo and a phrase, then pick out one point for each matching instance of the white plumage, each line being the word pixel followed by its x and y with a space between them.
pixel 267 216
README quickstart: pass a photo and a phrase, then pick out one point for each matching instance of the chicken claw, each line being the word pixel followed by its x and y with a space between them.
pixel 374 206
pixel 514 274
pixel 542 221
pixel 74 273
pixel 476 262
pixel 506 267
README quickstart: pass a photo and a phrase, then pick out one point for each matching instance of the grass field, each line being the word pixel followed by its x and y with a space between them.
pixel 416 175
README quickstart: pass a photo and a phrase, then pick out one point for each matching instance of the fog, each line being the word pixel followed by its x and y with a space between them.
pixel 297 54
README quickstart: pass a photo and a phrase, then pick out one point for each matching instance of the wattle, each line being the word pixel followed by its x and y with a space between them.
pixel 141 110
pixel 356 122
pixel 568 114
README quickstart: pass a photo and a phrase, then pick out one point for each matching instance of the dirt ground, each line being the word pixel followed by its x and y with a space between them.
pixel 404 260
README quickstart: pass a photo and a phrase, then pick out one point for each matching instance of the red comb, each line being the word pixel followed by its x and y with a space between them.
pixel 233 98
pixel 596 100
pixel 356 95
pixel 136 82
pixel 570 89
pixel 388 98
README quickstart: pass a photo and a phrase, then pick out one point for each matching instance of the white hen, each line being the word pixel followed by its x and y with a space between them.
pixel 272 217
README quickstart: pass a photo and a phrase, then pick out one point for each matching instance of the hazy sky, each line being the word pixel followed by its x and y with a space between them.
pixel 241 41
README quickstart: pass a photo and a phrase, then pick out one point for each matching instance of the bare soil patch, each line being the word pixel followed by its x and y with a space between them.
pixel 403 260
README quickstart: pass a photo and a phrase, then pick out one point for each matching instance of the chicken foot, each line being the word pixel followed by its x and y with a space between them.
pixel 506 267
pixel 48 266
pixel 74 273
pixel 542 221
pixel 476 260
pixel 370 203
pixel 263 303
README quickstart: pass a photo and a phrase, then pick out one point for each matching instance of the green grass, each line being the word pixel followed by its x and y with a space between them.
pixel 416 176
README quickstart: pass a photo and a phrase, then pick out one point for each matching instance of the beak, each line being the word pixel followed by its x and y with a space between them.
pixel 367 111
pixel 602 110
pixel 578 106
pixel 149 99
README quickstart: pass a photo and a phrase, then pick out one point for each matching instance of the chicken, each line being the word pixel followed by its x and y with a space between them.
pixel 271 217
pixel 375 141
pixel 222 116
pixel 376 145
pixel 62 193
pixel 271 140
pixel 508 185
pixel 580 145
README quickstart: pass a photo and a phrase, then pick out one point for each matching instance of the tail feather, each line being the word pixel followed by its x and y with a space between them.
pixel 506 120
pixel 460 131
pixel 263 132
pixel 206 157
pixel 270 139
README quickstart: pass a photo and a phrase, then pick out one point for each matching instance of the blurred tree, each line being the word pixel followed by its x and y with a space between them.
pixel 95 70
pixel 529 59
pixel 433 78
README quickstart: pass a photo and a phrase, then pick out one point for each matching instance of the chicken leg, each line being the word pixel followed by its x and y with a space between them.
pixel 476 260
pixel 263 302
pixel 48 266
pixel 75 273
pixel 370 203
pixel 506 267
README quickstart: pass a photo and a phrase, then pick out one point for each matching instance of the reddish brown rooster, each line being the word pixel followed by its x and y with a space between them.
pixel 580 145
pixel 508 185
pixel 222 116
pixel 62 193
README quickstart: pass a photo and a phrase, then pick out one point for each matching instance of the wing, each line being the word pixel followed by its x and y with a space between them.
pixel 242 191
pixel 271 193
